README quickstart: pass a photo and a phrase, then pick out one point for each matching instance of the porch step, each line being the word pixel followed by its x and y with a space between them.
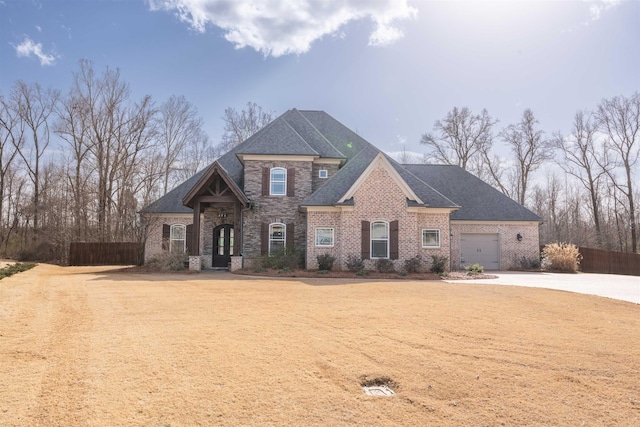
pixel 217 269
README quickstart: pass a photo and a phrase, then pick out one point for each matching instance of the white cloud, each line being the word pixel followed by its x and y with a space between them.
pixel 598 7
pixel 281 27
pixel 39 28
pixel 29 48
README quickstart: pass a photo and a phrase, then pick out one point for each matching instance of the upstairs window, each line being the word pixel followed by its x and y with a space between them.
pixel 278 186
pixel 323 173
pixel 178 239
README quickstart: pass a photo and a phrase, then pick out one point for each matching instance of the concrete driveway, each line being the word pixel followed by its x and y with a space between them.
pixel 625 288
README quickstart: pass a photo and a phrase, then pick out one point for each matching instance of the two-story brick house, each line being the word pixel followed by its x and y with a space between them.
pixel 308 182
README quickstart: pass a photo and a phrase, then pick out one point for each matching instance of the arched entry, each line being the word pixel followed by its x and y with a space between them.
pixel 222 245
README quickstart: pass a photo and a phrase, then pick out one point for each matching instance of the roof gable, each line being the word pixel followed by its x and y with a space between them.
pixel 381 161
pixel 205 181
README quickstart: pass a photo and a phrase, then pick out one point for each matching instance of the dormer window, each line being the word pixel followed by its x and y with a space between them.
pixel 323 173
pixel 278 186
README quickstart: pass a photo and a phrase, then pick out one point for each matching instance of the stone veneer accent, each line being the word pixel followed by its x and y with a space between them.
pixel 316 181
pixel 378 198
pixel 195 263
pixel 272 209
pixel 236 263
pixel 511 250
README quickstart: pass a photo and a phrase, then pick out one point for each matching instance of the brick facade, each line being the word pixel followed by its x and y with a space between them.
pixel 153 243
pixel 378 198
pixel 512 251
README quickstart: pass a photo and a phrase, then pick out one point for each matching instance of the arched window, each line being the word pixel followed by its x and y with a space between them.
pixel 178 239
pixel 379 239
pixel 277 233
pixel 278 186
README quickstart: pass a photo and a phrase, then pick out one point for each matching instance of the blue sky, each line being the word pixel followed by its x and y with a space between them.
pixel 387 68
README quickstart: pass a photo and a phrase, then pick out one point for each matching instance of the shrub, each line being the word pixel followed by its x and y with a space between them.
pixel 18 267
pixel 438 264
pixel 413 265
pixel 563 257
pixel 325 262
pixel 362 272
pixel 290 259
pixel 384 265
pixel 168 261
pixel 474 269
pixel 354 263
pixel 525 263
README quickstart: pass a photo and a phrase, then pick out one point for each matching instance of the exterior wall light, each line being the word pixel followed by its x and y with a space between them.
pixel 519 237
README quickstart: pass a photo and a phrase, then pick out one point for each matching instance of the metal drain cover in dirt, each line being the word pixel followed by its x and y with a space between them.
pixel 378 390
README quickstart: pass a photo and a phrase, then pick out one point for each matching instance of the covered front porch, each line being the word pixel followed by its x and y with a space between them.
pixel 217 204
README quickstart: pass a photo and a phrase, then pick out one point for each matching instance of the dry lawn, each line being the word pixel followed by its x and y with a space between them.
pixel 88 346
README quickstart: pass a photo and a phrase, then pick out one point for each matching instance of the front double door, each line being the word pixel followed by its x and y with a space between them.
pixel 222 245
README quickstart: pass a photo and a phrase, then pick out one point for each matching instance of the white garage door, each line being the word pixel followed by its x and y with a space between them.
pixel 483 249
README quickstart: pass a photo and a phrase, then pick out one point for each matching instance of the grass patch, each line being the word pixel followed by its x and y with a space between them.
pixel 16 268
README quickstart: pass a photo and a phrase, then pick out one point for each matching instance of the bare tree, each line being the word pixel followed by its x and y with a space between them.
pixel 530 149
pixel 239 126
pixel 580 160
pixel 178 125
pixel 619 120
pixel 11 137
pixel 34 106
pixel 198 154
pixel 460 137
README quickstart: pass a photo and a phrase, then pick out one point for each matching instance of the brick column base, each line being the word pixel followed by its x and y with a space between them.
pixel 195 263
pixel 236 263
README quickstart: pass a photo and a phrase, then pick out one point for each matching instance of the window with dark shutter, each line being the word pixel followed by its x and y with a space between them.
pixel 166 235
pixel 290 238
pixel 291 182
pixel 189 238
pixel 264 238
pixel 265 182
pixel 393 240
pixel 366 230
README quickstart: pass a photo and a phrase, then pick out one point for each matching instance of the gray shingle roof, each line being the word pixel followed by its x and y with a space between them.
pixel 303 132
pixel 478 200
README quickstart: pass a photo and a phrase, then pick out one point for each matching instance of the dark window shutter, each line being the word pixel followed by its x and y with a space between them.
pixel 264 239
pixel 189 237
pixel 290 236
pixel 393 240
pixel 366 240
pixel 291 182
pixel 166 235
pixel 266 178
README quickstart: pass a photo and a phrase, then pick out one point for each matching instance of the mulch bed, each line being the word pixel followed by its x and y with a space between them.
pixel 372 275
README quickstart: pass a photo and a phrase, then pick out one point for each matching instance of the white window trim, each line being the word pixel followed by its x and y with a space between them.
pixel 439 238
pixel 323 173
pixel 371 239
pixel 284 235
pixel 171 239
pixel 271 193
pixel 333 237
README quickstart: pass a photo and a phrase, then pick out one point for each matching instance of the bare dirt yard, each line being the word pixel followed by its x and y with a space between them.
pixel 90 346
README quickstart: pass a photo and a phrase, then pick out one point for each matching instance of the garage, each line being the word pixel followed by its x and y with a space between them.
pixel 480 248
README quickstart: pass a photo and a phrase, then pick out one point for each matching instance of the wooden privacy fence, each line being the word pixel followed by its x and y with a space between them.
pixel 610 262
pixel 120 253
